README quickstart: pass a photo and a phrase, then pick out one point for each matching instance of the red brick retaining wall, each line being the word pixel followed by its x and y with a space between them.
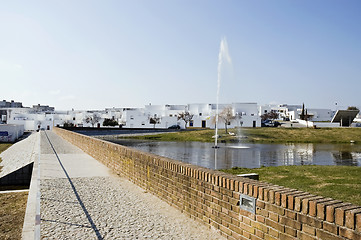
pixel 212 197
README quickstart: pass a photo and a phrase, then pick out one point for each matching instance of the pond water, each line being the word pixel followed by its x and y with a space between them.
pixel 250 155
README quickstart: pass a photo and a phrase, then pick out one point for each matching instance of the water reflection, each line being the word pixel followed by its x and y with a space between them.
pixel 345 158
pixel 250 155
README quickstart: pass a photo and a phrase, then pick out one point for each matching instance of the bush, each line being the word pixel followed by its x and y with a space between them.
pixel 68 124
pixel 110 122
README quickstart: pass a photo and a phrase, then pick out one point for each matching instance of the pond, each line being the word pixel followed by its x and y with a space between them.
pixel 250 155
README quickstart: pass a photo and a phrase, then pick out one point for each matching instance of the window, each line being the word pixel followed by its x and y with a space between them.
pixel 191 123
pixel 200 114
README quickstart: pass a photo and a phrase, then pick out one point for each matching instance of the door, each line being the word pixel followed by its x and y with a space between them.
pixel 204 123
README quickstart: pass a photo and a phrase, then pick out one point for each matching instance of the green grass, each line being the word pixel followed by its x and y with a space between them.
pixel 194 135
pixel 12 212
pixel 304 135
pixel 4 146
pixel 266 135
pixel 338 182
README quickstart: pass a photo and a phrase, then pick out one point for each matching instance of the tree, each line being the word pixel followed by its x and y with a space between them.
pixel 68 124
pixel 154 120
pixel 227 116
pixel 186 117
pixel 92 119
pixel 110 122
pixel 270 115
pixel 303 115
pixel 352 108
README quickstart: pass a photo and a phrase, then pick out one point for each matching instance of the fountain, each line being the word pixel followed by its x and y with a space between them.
pixel 222 56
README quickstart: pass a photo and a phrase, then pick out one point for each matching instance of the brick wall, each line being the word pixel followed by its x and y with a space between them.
pixel 212 197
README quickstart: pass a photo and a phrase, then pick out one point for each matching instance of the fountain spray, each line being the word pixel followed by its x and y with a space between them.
pixel 223 55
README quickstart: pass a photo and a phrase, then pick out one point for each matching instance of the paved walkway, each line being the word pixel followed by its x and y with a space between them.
pixel 82 199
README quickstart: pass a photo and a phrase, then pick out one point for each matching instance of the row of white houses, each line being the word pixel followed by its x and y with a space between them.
pixel 151 116
pixel 245 114
pixel 157 116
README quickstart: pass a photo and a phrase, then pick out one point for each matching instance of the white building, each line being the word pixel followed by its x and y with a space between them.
pixel 284 111
pixel 157 116
pixel 293 112
pixel 358 118
pixel 315 115
pixel 164 116
pixel 9 132
pixel 31 121
pixel 151 116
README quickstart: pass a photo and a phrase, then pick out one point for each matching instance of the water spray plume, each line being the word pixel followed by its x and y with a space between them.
pixel 222 56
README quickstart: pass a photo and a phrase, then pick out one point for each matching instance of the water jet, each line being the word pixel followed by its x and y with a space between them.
pixel 223 55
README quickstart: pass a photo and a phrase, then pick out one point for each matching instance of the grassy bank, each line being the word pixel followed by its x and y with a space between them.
pixel 12 212
pixel 4 146
pixel 338 182
pixel 266 135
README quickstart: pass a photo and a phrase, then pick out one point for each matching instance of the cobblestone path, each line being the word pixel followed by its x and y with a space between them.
pixel 82 199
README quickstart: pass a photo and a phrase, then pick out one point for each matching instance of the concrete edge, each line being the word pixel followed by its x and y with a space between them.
pixel 14 191
pixel 28 232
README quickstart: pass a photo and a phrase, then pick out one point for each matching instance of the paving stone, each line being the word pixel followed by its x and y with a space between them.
pixel 107 207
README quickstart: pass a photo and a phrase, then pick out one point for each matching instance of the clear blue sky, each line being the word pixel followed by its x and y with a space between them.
pixel 98 54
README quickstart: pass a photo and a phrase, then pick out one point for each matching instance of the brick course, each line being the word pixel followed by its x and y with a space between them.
pixel 212 197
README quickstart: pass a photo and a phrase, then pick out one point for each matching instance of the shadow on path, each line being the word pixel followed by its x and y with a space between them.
pixel 93 226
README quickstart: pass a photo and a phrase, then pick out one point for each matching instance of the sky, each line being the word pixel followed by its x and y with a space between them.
pixel 102 54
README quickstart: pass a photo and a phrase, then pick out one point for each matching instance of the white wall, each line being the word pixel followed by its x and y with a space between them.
pixel 326 124
pixel 10 132
pixel 320 114
pixel 305 123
